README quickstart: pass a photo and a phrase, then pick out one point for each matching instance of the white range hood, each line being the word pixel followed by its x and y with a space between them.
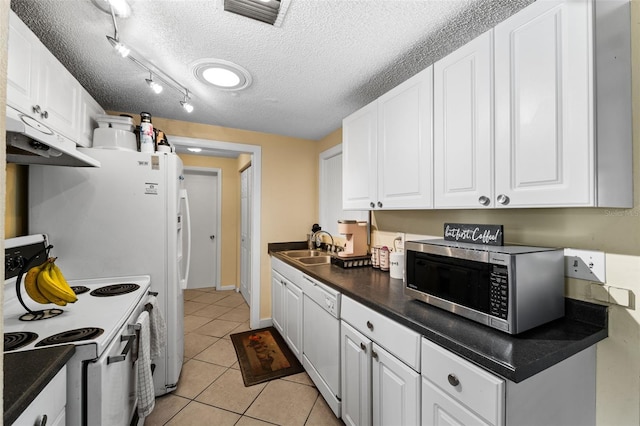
pixel 31 142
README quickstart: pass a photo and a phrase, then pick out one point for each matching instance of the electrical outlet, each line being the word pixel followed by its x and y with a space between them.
pixel 398 242
pixel 584 265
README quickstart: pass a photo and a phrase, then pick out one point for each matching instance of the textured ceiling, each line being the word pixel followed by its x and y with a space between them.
pixel 328 59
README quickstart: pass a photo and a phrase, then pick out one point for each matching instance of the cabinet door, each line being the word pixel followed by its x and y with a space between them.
pixel 463 117
pixel 277 301
pixel 544 106
pixel 293 317
pixel 88 110
pixel 440 409
pixel 359 159
pixel 22 66
pixel 59 96
pixel 356 376
pixel 404 144
pixel 396 390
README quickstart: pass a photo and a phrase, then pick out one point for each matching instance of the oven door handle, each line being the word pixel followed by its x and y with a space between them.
pixel 130 338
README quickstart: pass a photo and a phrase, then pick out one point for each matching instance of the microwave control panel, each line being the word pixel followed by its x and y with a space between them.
pixel 499 292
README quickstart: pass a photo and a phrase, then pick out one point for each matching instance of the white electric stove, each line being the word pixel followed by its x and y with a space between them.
pixel 101 375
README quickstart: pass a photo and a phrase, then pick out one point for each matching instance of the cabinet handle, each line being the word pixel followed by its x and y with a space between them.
pixel 374 354
pixel 503 199
pixel 43 421
pixel 371 204
pixel 36 109
pixel 44 114
pixel 282 282
pixel 484 200
pixel 453 380
pixel 369 325
pixel 379 204
pixel 363 347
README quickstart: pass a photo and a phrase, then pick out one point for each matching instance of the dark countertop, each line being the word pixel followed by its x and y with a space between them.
pixel 27 373
pixel 513 357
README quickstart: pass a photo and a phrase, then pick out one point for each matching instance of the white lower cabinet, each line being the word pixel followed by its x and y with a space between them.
pixel 49 406
pixel 287 311
pixel 378 387
pixel 457 392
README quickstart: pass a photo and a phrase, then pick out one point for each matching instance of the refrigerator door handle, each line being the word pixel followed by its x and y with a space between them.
pixel 184 280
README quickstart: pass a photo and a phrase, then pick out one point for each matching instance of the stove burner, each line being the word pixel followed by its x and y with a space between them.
pixel 80 289
pixel 71 336
pixel 39 315
pixel 18 339
pixel 115 290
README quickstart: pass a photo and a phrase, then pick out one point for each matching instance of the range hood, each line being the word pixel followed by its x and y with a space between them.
pixel 31 142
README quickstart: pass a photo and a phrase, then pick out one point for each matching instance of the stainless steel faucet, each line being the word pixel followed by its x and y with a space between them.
pixel 317 241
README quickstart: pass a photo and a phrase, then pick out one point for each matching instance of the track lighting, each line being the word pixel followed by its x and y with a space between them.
pixel 120 48
pixel 185 104
pixel 149 67
pixel 156 87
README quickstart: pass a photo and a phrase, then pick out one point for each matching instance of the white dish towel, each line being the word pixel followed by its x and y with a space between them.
pixel 158 328
pixel 146 394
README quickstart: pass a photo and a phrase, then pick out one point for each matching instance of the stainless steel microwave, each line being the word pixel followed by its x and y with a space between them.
pixel 510 288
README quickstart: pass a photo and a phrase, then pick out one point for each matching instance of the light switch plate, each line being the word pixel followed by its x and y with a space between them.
pixel 584 265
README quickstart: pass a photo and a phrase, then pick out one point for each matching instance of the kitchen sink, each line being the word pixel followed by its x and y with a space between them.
pixel 308 257
pixel 316 260
pixel 304 253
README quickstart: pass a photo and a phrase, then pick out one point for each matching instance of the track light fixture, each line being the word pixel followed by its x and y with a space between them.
pixel 153 70
pixel 156 87
pixel 185 104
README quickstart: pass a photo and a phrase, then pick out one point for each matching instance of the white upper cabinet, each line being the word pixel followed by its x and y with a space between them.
pixel 359 158
pixel 544 137
pixel 38 85
pixel 463 118
pixel 551 67
pixel 537 111
pixel 387 149
pixel 88 111
pixel 23 65
pixel 59 96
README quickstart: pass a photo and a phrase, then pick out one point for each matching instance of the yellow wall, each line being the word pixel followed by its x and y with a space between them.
pixel 289 186
pixel 229 212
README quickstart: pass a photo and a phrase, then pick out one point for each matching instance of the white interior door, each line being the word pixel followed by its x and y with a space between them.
pixel 202 185
pixel 245 234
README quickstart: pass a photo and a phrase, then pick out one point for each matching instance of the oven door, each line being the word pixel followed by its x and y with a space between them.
pixel 111 386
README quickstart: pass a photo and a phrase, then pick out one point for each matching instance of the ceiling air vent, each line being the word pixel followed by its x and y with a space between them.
pixel 269 11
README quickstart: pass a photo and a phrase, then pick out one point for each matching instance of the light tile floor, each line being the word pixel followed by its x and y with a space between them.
pixel 211 391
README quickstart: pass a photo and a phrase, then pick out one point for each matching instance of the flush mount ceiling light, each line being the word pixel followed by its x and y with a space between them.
pixel 223 75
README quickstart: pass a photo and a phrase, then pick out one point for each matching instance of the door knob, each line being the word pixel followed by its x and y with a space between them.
pixel 212 237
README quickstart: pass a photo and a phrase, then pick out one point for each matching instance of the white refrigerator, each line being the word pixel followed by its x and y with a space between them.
pixel 128 217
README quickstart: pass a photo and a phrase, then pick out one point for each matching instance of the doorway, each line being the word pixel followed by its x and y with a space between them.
pixel 203 188
pixel 245 234
pixel 220 148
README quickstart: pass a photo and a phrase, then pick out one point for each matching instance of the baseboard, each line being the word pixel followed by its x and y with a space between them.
pixel 227 287
pixel 265 322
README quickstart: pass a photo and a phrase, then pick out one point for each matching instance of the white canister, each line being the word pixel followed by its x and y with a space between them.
pixel 396 264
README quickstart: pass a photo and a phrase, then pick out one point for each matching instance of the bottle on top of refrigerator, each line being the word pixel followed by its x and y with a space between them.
pixel 147 135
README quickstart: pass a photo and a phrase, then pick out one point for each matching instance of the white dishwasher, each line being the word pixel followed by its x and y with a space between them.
pixel 321 343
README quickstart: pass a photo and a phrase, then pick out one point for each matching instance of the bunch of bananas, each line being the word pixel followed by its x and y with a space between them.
pixel 46 284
